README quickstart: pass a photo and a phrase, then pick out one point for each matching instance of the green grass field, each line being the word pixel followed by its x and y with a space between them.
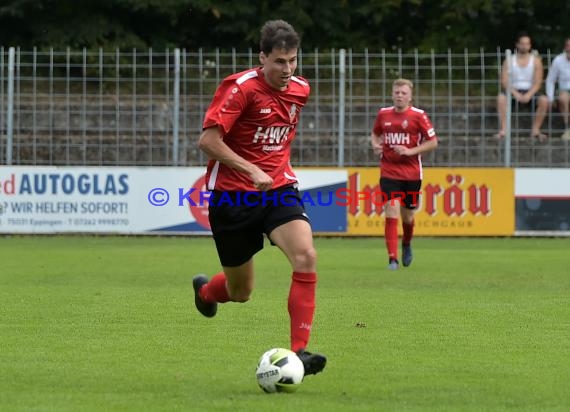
pixel 108 324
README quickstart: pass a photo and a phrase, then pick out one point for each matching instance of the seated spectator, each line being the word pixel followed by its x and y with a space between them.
pixel 560 71
pixel 527 75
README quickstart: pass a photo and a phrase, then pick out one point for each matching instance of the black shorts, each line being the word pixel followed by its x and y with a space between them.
pixel 240 219
pixel 408 190
pixel 530 104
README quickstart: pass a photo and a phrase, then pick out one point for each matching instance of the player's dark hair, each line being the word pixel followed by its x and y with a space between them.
pixel 278 34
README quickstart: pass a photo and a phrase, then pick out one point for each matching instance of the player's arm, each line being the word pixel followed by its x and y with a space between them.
pixel 376 138
pixel 424 147
pixel 213 145
pixel 377 143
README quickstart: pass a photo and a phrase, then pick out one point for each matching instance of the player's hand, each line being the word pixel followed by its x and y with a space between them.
pixel 377 148
pixel 402 150
pixel 261 180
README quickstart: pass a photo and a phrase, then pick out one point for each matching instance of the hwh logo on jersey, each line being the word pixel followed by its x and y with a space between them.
pixel 396 138
pixel 271 135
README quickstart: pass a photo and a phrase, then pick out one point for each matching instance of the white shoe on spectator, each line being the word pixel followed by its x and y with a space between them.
pixel 566 135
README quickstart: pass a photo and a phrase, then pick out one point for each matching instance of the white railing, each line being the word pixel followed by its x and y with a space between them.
pixel 146 107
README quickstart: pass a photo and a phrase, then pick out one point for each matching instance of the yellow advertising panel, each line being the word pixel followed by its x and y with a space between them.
pixel 453 202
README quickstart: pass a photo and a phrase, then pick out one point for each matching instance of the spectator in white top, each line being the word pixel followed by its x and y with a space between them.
pixel 560 71
pixel 527 74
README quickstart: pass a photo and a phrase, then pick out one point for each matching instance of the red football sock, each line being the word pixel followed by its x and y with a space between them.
pixel 391 237
pixel 408 232
pixel 301 307
pixel 215 290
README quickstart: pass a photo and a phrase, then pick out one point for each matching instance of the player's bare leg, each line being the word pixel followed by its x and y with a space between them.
pixel 234 284
pixel 295 239
pixel 240 281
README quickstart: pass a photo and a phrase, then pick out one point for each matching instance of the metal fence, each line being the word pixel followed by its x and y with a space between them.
pixel 145 108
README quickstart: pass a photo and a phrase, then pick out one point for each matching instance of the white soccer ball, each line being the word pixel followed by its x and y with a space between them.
pixel 279 370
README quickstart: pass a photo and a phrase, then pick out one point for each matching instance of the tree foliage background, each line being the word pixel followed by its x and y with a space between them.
pixel 323 24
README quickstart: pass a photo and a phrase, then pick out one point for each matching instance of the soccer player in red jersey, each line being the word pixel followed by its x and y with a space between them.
pixel 247 134
pixel 400 135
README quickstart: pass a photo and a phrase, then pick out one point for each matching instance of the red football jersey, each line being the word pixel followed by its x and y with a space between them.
pixel 258 123
pixel 409 128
